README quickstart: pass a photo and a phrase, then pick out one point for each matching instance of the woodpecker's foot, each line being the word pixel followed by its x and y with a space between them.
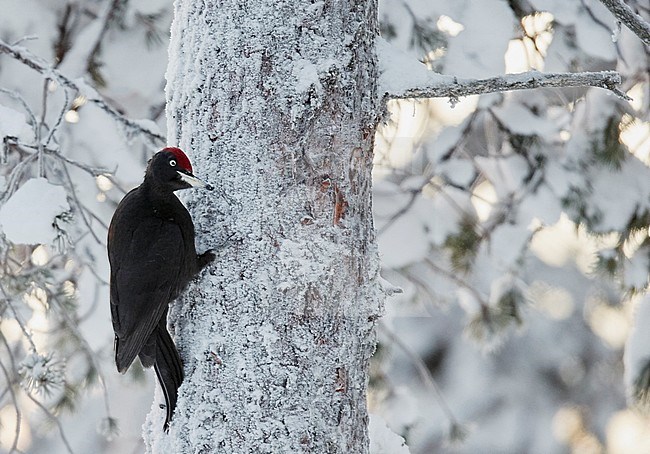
pixel 206 258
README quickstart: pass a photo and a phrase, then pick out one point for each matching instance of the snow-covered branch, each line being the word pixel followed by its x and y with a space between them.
pixel 632 20
pixel 454 88
pixel 27 58
pixel 404 77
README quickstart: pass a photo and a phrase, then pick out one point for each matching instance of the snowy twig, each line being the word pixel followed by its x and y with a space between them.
pixel 39 130
pixel 414 193
pixel 108 16
pixel 407 206
pixel 632 20
pixel 24 56
pixel 53 418
pixel 9 381
pixel 62 113
pixel 73 326
pixel 455 88
pixel 19 98
pixel 422 285
pixel 21 324
pixel 423 370
pixel 458 281
pixel 93 171
pixel 73 193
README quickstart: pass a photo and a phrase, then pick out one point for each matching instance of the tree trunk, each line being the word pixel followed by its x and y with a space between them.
pixel 276 104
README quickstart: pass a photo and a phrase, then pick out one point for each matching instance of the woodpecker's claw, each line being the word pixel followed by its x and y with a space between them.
pixel 206 258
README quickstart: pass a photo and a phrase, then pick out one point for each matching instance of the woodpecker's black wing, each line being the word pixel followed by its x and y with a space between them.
pixel 145 275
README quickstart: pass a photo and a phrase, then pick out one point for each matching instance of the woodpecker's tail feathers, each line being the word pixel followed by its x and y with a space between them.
pixel 169 370
pixel 116 346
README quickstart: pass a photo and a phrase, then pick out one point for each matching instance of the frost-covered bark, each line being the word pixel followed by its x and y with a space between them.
pixel 276 104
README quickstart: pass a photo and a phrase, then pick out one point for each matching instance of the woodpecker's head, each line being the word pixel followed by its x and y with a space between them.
pixel 170 168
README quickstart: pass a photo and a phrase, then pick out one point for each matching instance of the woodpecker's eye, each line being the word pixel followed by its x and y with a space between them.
pixel 172 162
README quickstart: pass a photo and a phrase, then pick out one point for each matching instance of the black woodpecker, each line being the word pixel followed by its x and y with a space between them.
pixel 152 256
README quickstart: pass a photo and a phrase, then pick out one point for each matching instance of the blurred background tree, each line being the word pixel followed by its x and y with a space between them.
pixel 517 225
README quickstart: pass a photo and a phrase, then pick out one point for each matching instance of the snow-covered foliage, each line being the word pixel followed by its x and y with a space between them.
pixel 41 373
pixel 67 155
pixel 30 215
pixel 382 439
pixel 516 224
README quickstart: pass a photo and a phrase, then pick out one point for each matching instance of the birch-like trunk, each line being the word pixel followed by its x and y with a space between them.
pixel 276 104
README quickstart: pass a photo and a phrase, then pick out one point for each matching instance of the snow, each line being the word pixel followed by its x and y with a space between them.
pixel 507 243
pixel 403 242
pixel 382 439
pixel 75 64
pixel 399 71
pixel 28 216
pixel 520 120
pixel 458 171
pixel 507 174
pixel 468 301
pixel 635 274
pixel 637 353
pixel 306 75
pixel 469 57
pixel 612 203
pixel 563 11
pixel 12 123
pixel 542 206
pixel 594 40
pixel 446 141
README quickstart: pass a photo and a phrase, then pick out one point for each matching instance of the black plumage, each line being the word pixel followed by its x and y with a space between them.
pixel 152 257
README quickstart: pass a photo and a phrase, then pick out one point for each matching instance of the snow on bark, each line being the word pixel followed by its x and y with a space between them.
pixel 276 104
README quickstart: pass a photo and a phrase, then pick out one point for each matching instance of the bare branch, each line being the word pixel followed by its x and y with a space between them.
pixel 62 112
pixel 632 20
pixel 454 88
pixel 25 57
